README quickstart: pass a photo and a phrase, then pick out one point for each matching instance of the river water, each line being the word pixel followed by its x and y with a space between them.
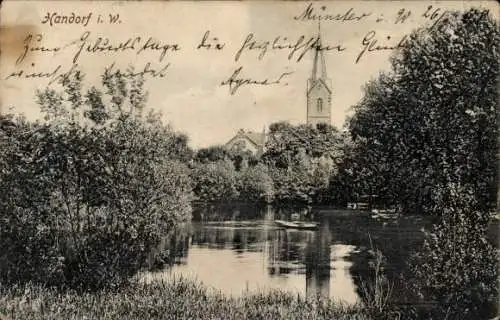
pixel 239 248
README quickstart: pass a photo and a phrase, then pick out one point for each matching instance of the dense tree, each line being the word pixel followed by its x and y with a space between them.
pixel 212 154
pixel 433 117
pixel 88 192
pixel 178 148
pixel 425 135
pixel 215 181
pixel 241 158
pixel 301 159
pixel 286 141
pixel 255 184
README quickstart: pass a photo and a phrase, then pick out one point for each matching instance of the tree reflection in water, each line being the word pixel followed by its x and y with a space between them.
pixel 333 260
pixel 318 262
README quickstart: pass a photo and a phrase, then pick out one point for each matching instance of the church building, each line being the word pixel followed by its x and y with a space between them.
pixel 319 104
pixel 319 91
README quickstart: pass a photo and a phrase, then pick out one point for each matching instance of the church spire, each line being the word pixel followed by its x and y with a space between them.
pixel 319 88
pixel 319 64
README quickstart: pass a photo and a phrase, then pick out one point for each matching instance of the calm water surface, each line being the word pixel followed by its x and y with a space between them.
pixel 237 248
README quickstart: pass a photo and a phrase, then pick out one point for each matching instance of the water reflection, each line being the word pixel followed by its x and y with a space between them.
pixel 233 253
pixel 318 261
pixel 239 248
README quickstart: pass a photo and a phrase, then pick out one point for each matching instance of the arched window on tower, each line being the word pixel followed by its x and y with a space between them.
pixel 319 105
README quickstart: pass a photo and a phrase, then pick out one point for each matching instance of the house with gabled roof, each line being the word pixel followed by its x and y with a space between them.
pixel 248 141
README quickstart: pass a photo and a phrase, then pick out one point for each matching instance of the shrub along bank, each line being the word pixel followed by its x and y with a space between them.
pixel 88 193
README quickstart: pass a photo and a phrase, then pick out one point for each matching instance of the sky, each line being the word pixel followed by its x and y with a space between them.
pixel 190 95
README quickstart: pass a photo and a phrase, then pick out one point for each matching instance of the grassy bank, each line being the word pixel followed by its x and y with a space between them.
pixel 177 299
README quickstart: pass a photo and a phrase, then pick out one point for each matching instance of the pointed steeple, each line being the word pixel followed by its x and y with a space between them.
pixel 319 64
pixel 319 88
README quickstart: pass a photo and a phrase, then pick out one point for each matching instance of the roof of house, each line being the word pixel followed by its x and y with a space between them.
pixel 257 138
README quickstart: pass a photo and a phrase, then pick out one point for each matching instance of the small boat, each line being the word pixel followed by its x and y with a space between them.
pixel 296 224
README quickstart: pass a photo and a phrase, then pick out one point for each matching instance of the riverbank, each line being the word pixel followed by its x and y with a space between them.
pixel 176 299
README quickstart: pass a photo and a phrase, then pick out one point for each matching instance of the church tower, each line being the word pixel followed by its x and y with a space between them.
pixel 319 92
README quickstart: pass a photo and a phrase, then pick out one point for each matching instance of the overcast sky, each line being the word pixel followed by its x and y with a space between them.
pixel 190 95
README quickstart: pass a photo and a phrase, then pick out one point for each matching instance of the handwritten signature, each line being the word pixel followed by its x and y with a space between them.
pixel 235 81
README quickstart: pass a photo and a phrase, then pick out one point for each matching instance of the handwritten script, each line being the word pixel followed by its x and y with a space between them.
pixel 248 55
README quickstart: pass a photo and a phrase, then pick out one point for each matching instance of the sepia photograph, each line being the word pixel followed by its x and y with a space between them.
pixel 249 160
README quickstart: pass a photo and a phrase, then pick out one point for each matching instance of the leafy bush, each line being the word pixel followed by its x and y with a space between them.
pixel 212 154
pixel 89 192
pixel 292 185
pixel 255 184
pixel 457 267
pixel 301 160
pixel 215 181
